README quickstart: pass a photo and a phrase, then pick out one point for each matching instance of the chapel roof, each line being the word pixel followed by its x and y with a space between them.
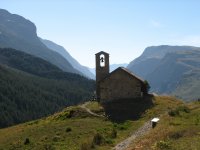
pixel 125 70
pixel 101 52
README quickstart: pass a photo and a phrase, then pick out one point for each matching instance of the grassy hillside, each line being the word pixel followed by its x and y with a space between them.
pixel 74 128
pixel 179 129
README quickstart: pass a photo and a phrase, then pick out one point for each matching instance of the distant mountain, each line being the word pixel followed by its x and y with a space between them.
pixel 167 68
pixel 115 66
pixel 26 62
pixel 32 88
pixel 19 33
pixel 189 86
pixel 61 50
pixel 150 58
pixel 112 67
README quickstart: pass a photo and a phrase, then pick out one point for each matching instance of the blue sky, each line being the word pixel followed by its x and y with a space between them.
pixel 123 28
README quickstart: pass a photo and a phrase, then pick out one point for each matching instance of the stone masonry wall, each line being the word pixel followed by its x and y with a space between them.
pixel 119 85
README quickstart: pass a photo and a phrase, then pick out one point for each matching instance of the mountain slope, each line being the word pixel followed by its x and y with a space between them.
pixel 26 62
pixel 18 33
pixel 33 65
pixel 151 57
pixel 167 67
pixel 34 88
pixel 188 87
pixel 62 51
pixel 172 68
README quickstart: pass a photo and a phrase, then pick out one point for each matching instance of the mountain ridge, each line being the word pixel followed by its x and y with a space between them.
pixel 20 33
pixel 61 50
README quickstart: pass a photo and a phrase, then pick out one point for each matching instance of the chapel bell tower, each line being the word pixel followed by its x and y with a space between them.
pixel 102 69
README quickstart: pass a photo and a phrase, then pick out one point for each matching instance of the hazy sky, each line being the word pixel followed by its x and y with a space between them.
pixel 123 28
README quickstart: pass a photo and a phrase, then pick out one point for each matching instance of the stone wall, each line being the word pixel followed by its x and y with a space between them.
pixel 119 85
pixel 127 109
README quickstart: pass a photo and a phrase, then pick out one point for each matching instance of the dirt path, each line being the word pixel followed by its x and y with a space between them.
pixel 141 131
pixel 89 111
pixel 124 144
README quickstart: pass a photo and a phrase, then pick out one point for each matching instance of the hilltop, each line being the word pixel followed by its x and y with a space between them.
pixel 75 128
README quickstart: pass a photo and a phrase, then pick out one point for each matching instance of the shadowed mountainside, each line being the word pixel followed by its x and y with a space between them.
pixel 34 88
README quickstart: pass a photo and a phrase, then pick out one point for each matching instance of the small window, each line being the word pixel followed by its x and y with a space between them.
pixel 102 60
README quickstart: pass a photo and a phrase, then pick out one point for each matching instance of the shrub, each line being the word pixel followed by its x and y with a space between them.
pixel 177 135
pixel 147 86
pixel 98 139
pixel 183 109
pixel 197 120
pixel 27 141
pixel 122 126
pixel 56 138
pixel 163 145
pixel 176 112
pixel 114 133
pixel 108 141
pixel 173 113
pixel 48 147
pixel 71 112
pixel 68 129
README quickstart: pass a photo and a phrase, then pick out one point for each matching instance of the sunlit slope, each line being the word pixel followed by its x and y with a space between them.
pixel 179 129
pixel 74 128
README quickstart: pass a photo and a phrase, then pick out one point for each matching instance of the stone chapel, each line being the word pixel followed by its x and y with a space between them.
pixel 119 84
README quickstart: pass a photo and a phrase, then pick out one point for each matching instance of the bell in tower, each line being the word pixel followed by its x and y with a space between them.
pixel 102 69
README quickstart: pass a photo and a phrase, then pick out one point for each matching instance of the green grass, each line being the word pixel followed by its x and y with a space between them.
pixel 52 132
pixel 178 132
pixel 73 128
pixel 95 107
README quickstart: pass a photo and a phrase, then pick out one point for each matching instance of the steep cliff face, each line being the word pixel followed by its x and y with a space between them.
pixel 19 33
